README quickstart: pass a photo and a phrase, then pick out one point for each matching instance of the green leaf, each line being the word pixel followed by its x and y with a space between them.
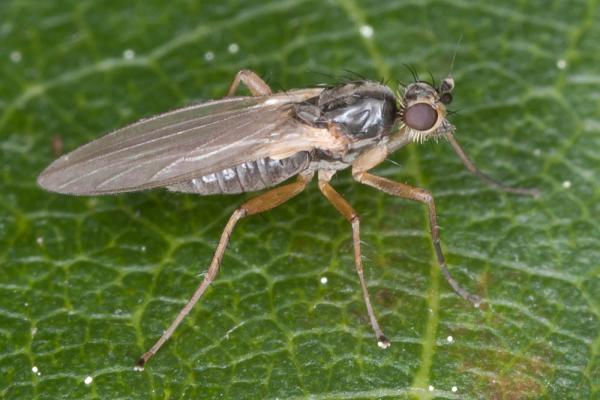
pixel 88 284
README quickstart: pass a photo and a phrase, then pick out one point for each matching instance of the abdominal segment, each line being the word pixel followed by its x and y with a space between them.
pixel 245 177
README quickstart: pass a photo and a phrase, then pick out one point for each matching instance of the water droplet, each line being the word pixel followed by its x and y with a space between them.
pixel 209 56
pixel 88 380
pixel 366 31
pixel 233 48
pixel 16 56
pixel 129 54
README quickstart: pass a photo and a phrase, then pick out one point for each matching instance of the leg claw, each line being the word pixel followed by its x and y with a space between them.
pixel 383 342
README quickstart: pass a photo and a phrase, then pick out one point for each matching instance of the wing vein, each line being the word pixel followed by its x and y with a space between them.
pixel 172 135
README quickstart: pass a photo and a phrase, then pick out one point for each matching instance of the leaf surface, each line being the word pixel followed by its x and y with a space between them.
pixel 88 284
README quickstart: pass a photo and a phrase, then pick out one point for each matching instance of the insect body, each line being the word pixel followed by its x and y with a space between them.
pixel 245 144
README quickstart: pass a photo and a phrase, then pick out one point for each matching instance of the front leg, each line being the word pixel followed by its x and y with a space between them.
pixel 486 179
pixel 359 172
pixel 417 194
pixel 252 81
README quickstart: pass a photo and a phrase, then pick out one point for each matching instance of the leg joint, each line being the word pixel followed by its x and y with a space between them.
pixel 245 73
pixel 358 175
pixel 240 212
pixel 425 196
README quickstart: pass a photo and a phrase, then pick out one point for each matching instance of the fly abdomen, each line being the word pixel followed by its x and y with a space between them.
pixel 248 176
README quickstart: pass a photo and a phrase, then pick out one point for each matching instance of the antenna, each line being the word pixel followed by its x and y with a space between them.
pixel 454 55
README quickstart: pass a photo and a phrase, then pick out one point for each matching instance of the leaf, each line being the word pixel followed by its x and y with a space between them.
pixel 88 284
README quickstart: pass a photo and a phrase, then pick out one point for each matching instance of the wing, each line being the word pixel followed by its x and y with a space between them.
pixel 186 143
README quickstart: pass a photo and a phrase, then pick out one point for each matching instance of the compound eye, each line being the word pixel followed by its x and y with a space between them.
pixel 421 117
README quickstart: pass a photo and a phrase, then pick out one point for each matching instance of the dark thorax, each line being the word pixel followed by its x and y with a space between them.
pixel 363 112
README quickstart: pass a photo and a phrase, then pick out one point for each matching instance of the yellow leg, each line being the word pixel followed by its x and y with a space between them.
pixel 261 203
pixel 484 178
pixel 412 193
pixel 348 212
pixel 252 81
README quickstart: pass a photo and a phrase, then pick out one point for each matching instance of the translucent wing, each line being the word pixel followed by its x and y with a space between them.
pixel 186 143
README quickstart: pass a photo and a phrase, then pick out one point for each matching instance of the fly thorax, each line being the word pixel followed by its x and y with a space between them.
pixel 363 113
pixel 360 110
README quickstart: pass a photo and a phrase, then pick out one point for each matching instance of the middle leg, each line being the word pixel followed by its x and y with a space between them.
pixel 348 212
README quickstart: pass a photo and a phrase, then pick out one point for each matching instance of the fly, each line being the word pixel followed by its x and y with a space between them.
pixel 246 144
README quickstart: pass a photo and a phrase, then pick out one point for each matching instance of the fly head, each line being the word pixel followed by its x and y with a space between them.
pixel 422 110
